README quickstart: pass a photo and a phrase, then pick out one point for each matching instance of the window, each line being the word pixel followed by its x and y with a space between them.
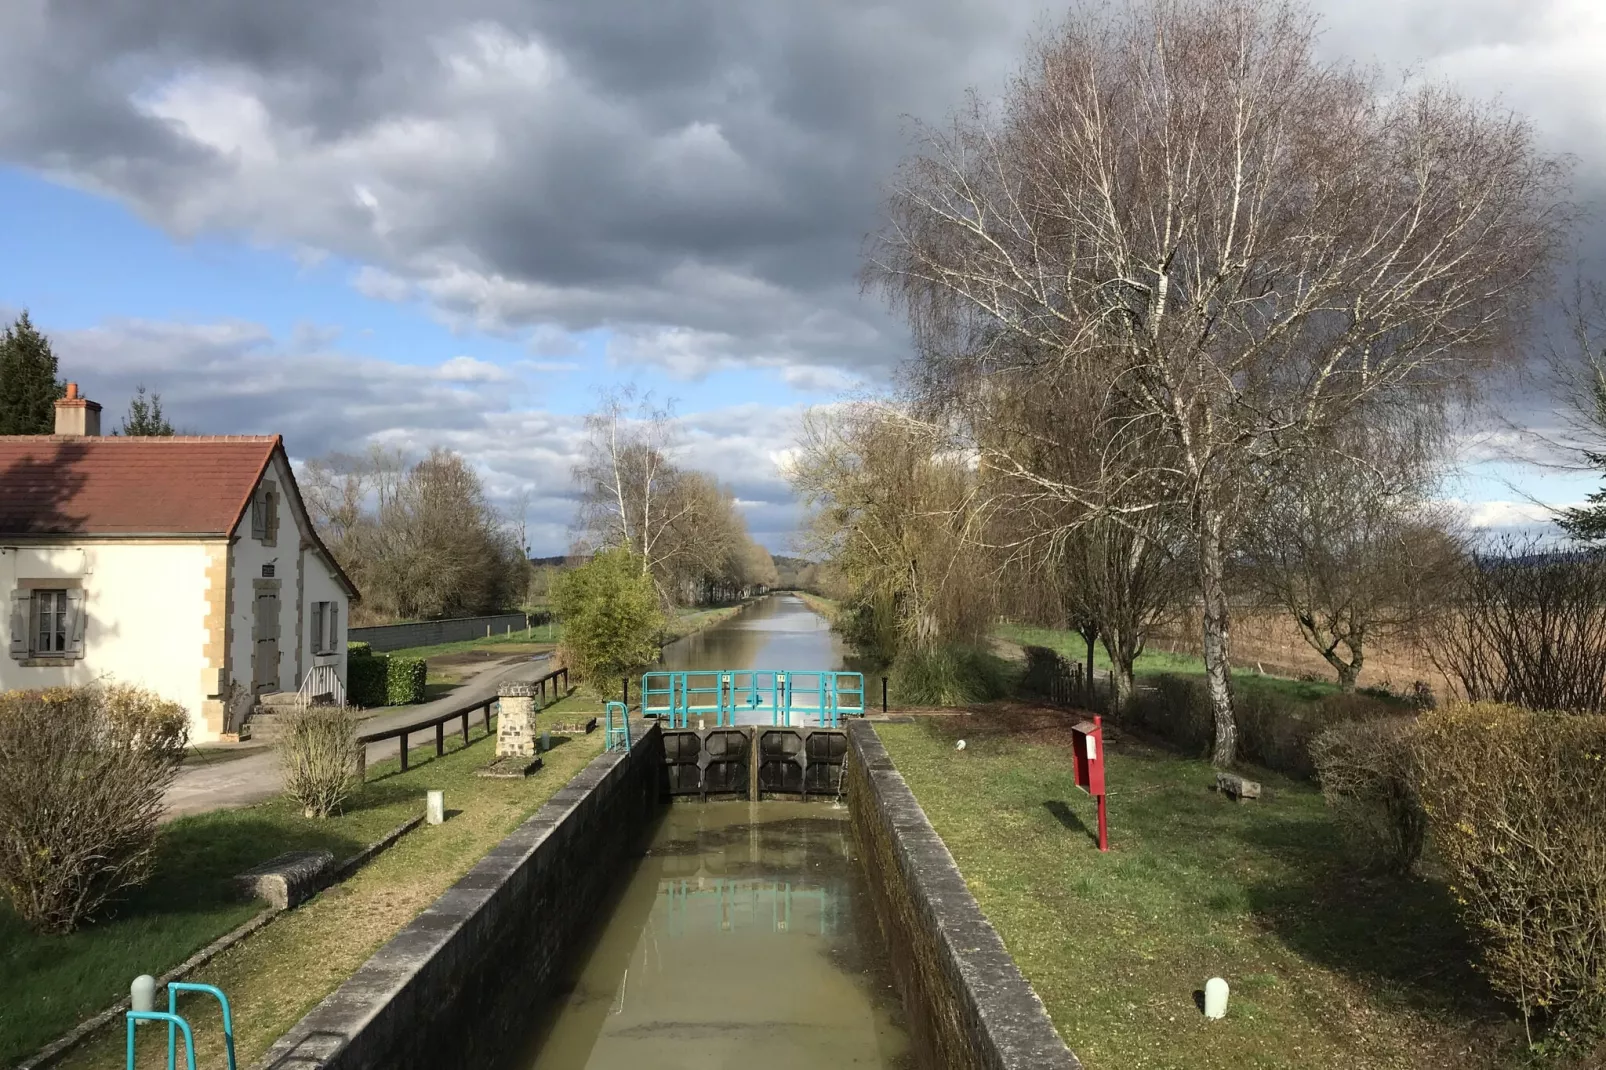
pixel 265 514
pixel 50 622
pixel 325 627
pixel 47 623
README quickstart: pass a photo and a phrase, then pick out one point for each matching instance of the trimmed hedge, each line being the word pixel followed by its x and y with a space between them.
pixel 365 680
pixel 385 680
pixel 404 680
pixel 355 649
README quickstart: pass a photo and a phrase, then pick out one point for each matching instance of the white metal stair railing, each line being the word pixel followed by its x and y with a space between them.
pixel 322 680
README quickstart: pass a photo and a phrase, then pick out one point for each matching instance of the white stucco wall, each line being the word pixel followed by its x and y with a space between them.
pixel 145 606
pixel 303 579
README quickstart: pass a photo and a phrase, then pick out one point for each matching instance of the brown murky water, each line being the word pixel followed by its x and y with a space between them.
pixel 745 937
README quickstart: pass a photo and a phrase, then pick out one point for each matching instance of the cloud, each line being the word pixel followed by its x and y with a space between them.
pixel 237 378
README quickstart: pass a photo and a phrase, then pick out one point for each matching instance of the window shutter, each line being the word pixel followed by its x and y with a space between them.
pixel 75 623
pixel 20 623
pixel 334 627
pixel 273 517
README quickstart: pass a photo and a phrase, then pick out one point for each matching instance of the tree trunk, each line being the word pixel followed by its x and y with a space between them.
pixel 1090 636
pixel 1217 639
pixel 1346 677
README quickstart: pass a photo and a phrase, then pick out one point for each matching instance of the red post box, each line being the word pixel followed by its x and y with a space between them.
pixel 1089 743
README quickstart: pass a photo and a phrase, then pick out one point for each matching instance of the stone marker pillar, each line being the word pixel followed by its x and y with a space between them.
pixel 515 724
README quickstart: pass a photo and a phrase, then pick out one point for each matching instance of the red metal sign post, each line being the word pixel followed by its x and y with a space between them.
pixel 1089 742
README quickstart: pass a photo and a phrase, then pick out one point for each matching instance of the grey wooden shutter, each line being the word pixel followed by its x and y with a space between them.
pixel 273 518
pixel 21 603
pixel 75 623
pixel 334 626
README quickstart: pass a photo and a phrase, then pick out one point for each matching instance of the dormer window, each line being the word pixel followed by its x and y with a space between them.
pixel 265 514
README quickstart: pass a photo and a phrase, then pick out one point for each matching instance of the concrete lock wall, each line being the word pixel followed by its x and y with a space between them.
pixel 966 1003
pixel 384 637
pixel 456 987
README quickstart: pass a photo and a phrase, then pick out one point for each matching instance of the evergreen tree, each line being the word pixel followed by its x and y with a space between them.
pixel 28 383
pixel 145 416
pixel 1587 523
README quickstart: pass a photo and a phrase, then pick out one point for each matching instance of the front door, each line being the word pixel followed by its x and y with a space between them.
pixel 265 627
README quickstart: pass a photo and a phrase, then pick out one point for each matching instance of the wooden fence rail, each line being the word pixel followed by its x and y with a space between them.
pixel 438 722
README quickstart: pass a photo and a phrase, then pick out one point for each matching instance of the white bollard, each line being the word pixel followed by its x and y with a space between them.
pixel 142 993
pixel 1215 998
pixel 435 807
pixel 546 741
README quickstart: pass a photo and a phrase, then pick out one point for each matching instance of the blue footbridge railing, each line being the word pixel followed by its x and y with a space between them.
pixel 720 697
pixel 141 995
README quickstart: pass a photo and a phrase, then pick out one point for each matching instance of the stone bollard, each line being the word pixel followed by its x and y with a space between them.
pixel 515 725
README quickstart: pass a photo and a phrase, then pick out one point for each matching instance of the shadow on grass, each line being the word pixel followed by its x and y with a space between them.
pixel 1067 817
pixel 1401 937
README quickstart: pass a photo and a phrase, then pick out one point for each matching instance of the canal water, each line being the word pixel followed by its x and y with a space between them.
pixel 745 936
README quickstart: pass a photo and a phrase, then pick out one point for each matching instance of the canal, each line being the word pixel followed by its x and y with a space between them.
pixel 744 936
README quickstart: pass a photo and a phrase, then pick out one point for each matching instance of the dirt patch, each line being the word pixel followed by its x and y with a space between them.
pixel 467 662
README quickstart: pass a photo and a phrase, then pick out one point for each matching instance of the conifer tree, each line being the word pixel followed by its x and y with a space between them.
pixel 145 416
pixel 28 384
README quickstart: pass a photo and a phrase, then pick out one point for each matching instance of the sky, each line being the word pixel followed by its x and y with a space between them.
pixel 452 222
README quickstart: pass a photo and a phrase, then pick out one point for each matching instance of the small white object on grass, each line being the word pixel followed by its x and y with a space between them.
pixel 960 745
pixel 142 993
pixel 435 807
pixel 1215 998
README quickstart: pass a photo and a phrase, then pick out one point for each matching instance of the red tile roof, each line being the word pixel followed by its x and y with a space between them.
pixel 189 485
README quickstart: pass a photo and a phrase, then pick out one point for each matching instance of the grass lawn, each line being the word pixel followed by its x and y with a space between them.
pixel 276 975
pixel 1328 968
pixel 1154 663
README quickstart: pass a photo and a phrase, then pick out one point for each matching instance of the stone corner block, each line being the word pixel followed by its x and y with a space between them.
pixel 288 880
pixel 1237 787
pixel 516 690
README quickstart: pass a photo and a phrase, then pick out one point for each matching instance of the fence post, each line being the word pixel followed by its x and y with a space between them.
pixel 627 692
pixel 440 739
pixel 883 694
pixel 404 751
pixel 362 761
pixel 487 718
pixel 465 727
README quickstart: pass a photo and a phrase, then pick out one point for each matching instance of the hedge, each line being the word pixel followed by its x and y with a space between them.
pixel 385 680
pixel 356 649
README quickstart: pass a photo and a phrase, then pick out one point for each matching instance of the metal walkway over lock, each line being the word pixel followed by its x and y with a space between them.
pixel 727 697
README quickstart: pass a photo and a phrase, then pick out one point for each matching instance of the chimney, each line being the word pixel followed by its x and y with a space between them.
pixel 77 416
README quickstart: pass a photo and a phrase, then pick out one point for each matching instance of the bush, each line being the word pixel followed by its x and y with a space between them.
pixel 949 676
pixel 318 753
pixel 82 775
pixel 1515 802
pixel 1274 730
pixel 366 683
pixel 358 650
pixel 404 680
pixel 611 619
pixel 1368 779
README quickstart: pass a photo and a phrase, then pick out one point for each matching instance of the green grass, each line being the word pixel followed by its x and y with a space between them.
pixel 538 635
pixel 60 980
pixel 1155 663
pixel 1328 968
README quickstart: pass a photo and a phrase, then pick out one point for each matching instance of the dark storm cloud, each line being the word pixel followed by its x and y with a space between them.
pixel 696 174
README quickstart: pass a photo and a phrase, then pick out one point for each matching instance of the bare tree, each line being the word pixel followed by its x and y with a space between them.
pixel 1233 243
pixel 1355 552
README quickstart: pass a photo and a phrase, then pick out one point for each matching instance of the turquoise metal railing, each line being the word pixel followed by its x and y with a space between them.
pixel 720 696
pixel 616 734
pixel 176 1024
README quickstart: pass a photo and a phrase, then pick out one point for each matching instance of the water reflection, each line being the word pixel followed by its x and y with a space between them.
pixel 744 939
pixel 776 632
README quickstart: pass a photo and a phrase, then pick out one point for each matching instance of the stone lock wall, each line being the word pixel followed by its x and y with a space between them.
pixel 966 1003
pixel 456 986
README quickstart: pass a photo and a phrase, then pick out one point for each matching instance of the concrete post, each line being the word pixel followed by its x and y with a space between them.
pixel 515 724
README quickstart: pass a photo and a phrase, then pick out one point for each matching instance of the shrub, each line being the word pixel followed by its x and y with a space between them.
pixel 1046 673
pixel 949 676
pixel 1515 802
pixel 1274 730
pixel 1368 779
pixel 82 775
pixel 366 683
pixel 611 619
pixel 318 753
pixel 358 650
pixel 404 680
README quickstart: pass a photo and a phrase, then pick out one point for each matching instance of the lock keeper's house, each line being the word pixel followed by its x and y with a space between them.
pixel 186 565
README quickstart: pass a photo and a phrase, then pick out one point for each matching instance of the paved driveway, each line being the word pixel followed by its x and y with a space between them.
pixel 226 783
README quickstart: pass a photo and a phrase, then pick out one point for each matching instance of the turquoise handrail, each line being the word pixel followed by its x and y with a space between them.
pixel 174 1023
pixel 721 695
pixel 617 737
pixel 173 989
